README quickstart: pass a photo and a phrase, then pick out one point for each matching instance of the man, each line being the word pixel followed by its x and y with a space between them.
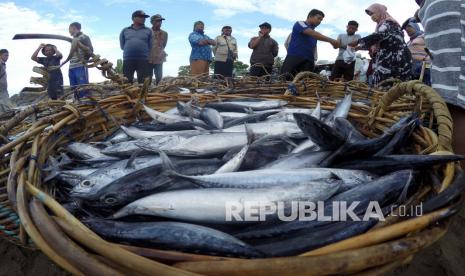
pixel 300 55
pixel 443 22
pixel 265 49
pixel 345 68
pixel 136 42
pixel 5 103
pixel 157 53
pixel 225 52
pixel 52 58
pixel 78 57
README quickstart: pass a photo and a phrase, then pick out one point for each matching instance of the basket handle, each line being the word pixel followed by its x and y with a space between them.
pixel 439 106
pixel 301 76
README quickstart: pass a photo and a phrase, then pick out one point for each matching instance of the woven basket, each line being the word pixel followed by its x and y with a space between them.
pixel 29 215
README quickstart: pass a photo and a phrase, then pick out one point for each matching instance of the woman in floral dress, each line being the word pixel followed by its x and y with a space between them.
pixel 392 56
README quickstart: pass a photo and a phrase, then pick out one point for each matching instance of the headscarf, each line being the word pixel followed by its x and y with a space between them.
pixel 417 29
pixel 384 16
pixel 196 23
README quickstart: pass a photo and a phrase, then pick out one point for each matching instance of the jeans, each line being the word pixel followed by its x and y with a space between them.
pixel 79 76
pixel 157 70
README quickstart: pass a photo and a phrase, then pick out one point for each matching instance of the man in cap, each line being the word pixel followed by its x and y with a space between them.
pixel 157 53
pixel 136 43
pixel 265 49
pixel 5 103
pixel 300 55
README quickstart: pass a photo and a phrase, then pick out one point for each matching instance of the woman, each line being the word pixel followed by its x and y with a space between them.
pixel 392 56
pixel 225 52
pixel 445 37
pixel 201 54
pixel 416 46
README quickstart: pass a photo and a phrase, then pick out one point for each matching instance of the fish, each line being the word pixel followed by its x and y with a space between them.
pixel 147 181
pixel 212 118
pixel 103 176
pixel 309 239
pixel 268 177
pixel 325 136
pixel 241 106
pixel 251 118
pixel 304 159
pixel 166 118
pixel 288 129
pixel 340 111
pixel 88 153
pixel 209 205
pixel 347 129
pixel 390 163
pixel 203 145
pixel 263 151
pixel 170 235
pixel 141 134
pixel 382 189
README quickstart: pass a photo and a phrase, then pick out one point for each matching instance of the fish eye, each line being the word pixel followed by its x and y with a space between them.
pixel 110 200
pixel 86 183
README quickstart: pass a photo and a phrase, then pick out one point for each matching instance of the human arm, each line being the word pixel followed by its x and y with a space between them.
pixel 321 37
pixel 122 40
pixel 58 54
pixel 366 42
pixel 234 49
pixel 275 49
pixel 255 40
pixel 166 40
pixel 36 52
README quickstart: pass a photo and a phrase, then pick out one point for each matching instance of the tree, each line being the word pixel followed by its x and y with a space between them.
pixel 278 62
pixel 240 68
pixel 119 66
pixel 184 70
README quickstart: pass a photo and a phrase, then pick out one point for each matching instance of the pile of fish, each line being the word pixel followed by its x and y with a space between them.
pixel 165 184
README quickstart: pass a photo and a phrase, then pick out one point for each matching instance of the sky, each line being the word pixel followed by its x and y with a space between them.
pixel 103 21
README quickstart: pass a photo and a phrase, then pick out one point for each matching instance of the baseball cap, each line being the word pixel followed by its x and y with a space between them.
pixel 139 13
pixel 156 17
pixel 265 25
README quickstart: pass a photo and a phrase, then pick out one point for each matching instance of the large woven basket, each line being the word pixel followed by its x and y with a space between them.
pixel 30 217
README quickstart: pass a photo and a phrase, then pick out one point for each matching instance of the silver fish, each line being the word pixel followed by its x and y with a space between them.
pixel 210 205
pixel 102 177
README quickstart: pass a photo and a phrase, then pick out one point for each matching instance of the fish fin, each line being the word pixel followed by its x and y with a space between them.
pixel 403 195
pixel 65 160
pixel 130 163
pixel 289 141
pixel 251 136
pixel 167 165
pixel 249 110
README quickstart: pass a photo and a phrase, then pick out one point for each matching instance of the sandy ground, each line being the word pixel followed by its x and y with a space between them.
pixel 446 257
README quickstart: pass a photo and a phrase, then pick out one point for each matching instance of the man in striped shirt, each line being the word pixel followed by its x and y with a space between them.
pixel 444 24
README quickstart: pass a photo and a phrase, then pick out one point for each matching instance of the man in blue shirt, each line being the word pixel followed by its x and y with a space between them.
pixel 303 42
pixel 136 43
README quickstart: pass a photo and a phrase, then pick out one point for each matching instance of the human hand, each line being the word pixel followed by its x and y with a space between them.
pixel 42 45
pixel 336 44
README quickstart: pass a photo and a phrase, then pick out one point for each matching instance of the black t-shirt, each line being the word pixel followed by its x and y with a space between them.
pixel 55 76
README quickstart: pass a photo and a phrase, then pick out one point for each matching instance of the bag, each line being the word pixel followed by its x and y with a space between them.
pixel 349 55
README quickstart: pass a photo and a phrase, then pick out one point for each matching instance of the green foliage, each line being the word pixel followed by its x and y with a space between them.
pixel 119 66
pixel 184 70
